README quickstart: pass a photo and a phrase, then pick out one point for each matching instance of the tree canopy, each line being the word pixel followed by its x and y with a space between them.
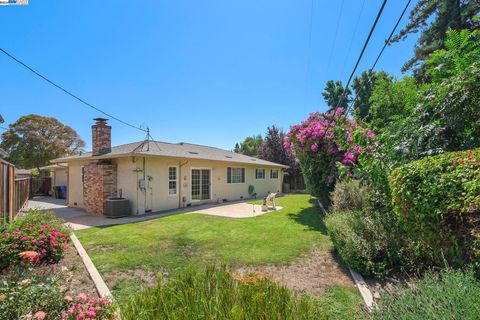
pixel 249 146
pixel 32 141
pixel 433 18
pixel 333 93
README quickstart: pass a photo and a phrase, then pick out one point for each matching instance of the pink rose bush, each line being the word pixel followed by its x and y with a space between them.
pixel 84 308
pixel 326 144
pixel 31 246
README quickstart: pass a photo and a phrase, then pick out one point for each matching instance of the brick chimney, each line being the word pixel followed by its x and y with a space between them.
pixel 101 137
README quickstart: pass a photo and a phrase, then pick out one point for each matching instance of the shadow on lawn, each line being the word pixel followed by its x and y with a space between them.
pixel 311 218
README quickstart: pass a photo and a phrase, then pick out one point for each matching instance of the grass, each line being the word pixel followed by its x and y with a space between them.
pixel 448 294
pixel 176 244
pixel 173 242
pixel 213 293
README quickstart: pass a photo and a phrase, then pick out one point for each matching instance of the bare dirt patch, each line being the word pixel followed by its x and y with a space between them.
pixel 311 273
pixel 78 279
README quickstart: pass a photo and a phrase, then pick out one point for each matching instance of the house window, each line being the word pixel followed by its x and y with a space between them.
pixel 235 175
pixel 172 181
pixel 260 173
pixel 274 174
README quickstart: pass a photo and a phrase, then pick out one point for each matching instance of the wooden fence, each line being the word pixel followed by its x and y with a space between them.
pixel 22 192
pixel 14 193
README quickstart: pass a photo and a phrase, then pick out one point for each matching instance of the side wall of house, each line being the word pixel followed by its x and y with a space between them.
pixel 75 183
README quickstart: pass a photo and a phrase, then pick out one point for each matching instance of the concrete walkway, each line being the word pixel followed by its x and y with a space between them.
pixel 78 219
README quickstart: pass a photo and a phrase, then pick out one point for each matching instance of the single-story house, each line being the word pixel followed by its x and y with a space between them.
pixel 158 176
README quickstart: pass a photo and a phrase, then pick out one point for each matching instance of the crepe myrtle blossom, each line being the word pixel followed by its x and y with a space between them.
pixel 325 140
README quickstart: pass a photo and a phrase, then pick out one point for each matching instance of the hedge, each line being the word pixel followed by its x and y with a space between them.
pixel 437 199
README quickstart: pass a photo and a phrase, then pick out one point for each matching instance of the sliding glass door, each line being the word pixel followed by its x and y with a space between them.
pixel 201 184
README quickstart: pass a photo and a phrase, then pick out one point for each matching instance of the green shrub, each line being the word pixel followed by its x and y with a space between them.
pixel 25 292
pixel 348 195
pixel 370 242
pixel 37 293
pixel 449 294
pixel 437 200
pixel 215 294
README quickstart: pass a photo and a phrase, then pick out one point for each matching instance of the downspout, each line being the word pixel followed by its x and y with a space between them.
pixel 180 165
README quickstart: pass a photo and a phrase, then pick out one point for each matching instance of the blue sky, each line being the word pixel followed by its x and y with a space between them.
pixel 207 72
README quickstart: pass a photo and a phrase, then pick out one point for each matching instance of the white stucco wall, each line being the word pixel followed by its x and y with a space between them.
pixel 155 196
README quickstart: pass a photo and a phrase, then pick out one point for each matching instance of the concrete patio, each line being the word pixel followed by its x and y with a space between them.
pixel 78 219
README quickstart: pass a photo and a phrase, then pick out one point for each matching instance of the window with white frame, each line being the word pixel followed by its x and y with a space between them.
pixel 235 175
pixel 274 174
pixel 172 181
pixel 260 173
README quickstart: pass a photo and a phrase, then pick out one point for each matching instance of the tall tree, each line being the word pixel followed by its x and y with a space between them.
pixel 433 18
pixel 333 95
pixel 363 87
pixel 32 141
pixel 250 145
pixel 273 149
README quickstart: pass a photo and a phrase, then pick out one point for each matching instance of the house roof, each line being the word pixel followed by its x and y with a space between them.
pixel 175 150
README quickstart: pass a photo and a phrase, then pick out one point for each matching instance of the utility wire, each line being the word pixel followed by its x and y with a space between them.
pixel 387 42
pixel 358 61
pixel 353 35
pixel 4 128
pixel 68 92
pixel 335 35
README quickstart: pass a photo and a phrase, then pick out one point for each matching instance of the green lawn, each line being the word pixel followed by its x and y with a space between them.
pixel 173 242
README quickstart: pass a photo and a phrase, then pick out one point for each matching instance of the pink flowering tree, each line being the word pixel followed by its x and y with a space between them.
pixel 328 146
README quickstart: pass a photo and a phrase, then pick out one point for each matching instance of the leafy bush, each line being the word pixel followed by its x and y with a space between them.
pixel 324 143
pixel 449 294
pixel 369 242
pixel 38 293
pixel 216 294
pixel 27 292
pixel 38 217
pixel 437 200
pixel 349 195
pixel 46 245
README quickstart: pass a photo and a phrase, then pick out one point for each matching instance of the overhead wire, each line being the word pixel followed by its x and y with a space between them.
pixel 387 42
pixel 67 91
pixel 380 11
pixel 339 19
pixel 353 35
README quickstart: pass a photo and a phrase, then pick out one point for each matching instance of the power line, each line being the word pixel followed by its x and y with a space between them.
pixel 353 36
pixel 335 35
pixel 68 92
pixel 387 42
pixel 4 128
pixel 358 61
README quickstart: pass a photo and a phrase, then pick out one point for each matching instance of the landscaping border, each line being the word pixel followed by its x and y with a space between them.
pixel 100 285
pixel 364 291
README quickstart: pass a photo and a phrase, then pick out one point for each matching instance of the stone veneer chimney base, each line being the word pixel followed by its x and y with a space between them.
pixel 99 183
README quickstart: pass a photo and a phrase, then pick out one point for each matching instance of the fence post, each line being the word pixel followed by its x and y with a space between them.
pixel 11 191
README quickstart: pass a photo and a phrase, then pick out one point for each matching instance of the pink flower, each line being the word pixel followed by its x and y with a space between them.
pixel 68 298
pixel 348 157
pixel 339 111
pixel 370 134
pixel 31 256
pixel 357 150
pixel 314 147
pixel 40 315
pixel 83 297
